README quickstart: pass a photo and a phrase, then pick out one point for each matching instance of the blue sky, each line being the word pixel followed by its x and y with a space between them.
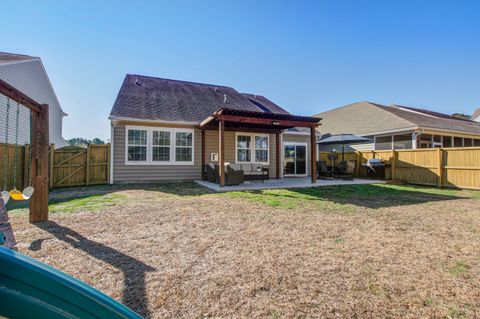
pixel 307 56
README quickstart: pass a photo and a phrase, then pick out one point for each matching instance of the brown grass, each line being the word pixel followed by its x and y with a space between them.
pixel 181 251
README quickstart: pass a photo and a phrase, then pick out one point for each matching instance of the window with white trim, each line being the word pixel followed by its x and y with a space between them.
pixel 159 146
pixel 244 152
pixel 137 145
pixel 252 148
pixel 183 146
pixel 261 149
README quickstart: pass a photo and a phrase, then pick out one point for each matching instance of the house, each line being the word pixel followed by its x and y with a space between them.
pixel 476 115
pixel 399 127
pixel 28 75
pixel 167 130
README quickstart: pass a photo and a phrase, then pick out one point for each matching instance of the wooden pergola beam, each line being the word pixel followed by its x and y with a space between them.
pixel 264 121
pixel 221 152
pixel 203 154
pixel 313 151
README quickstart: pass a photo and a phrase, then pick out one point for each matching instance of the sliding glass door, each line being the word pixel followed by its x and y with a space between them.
pixel 294 159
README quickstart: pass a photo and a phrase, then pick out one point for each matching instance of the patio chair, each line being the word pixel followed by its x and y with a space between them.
pixel 322 170
pixel 347 169
pixel 234 174
pixel 211 172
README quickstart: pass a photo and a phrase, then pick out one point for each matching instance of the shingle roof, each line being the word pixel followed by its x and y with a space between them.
pixel 12 57
pixel 361 118
pixel 150 98
pixel 430 119
pixel 366 118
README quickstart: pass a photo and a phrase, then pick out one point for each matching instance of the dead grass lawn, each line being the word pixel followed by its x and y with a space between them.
pixel 370 251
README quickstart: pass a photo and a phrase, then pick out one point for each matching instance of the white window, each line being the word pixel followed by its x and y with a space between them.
pixel 261 149
pixel 137 145
pixel 159 146
pixel 244 152
pixel 252 148
pixel 183 146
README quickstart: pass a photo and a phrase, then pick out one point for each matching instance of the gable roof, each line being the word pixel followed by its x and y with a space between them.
pixel 6 57
pixel 149 98
pixel 436 120
pixel 362 118
pixel 367 118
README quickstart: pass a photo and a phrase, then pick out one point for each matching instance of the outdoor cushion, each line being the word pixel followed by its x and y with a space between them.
pixel 236 167
pixel 246 168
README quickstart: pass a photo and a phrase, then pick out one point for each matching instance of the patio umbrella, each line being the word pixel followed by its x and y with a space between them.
pixel 343 139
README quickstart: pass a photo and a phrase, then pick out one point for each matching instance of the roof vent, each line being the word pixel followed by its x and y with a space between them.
pixel 136 82
pixel 224 98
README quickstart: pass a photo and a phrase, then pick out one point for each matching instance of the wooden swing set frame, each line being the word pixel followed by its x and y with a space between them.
pixel 39 148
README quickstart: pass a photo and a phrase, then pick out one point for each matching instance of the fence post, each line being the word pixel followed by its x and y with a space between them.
pixel 52 163
pixel 108 163
pixel 440 166
pixel 87 166
pixel 393 165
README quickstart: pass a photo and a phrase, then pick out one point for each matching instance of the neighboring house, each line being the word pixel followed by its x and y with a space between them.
pixel 476 115
pixel 164 130
pixel 27 74
pixel 399 127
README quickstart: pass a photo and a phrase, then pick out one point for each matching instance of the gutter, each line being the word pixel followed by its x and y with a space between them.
pixel 115 118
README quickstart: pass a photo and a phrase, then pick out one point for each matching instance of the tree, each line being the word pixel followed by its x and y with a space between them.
pixel 79 141
pixel 97 141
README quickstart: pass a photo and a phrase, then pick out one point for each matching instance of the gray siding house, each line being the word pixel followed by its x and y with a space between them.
pixel 27 74
pixel 398 127
pixel 167 130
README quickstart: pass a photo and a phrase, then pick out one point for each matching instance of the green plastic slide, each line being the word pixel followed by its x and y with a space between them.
pixel 31 289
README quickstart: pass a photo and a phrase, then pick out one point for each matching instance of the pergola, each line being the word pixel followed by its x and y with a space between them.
pixel 258 122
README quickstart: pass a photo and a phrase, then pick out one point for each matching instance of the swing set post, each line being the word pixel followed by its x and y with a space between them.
pixel 39 149
pixel 40 166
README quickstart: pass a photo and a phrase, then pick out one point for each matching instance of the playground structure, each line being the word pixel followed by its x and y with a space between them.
pixel 37 192
pixel 31 289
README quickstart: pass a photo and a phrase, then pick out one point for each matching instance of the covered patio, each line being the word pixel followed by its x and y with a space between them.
pixel 236 120
pixel 285 183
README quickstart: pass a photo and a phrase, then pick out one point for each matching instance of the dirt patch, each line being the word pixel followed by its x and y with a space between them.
pixel 191 254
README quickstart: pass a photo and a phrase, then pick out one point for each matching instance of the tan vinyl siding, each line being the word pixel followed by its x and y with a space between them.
pixel 152 173
pixel 123 173
pixel 299 139
pixel 211 146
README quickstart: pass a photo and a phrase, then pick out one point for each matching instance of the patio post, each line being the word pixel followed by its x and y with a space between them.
pixel 313 151
pixel 221 151
pixel 277 155
pixel 203 154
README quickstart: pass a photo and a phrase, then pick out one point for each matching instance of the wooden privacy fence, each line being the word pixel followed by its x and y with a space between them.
pixel 441 167
pixel 78 166
pixel 8 163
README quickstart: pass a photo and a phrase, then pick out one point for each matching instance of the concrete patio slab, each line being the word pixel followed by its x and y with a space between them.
pixel 285 183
